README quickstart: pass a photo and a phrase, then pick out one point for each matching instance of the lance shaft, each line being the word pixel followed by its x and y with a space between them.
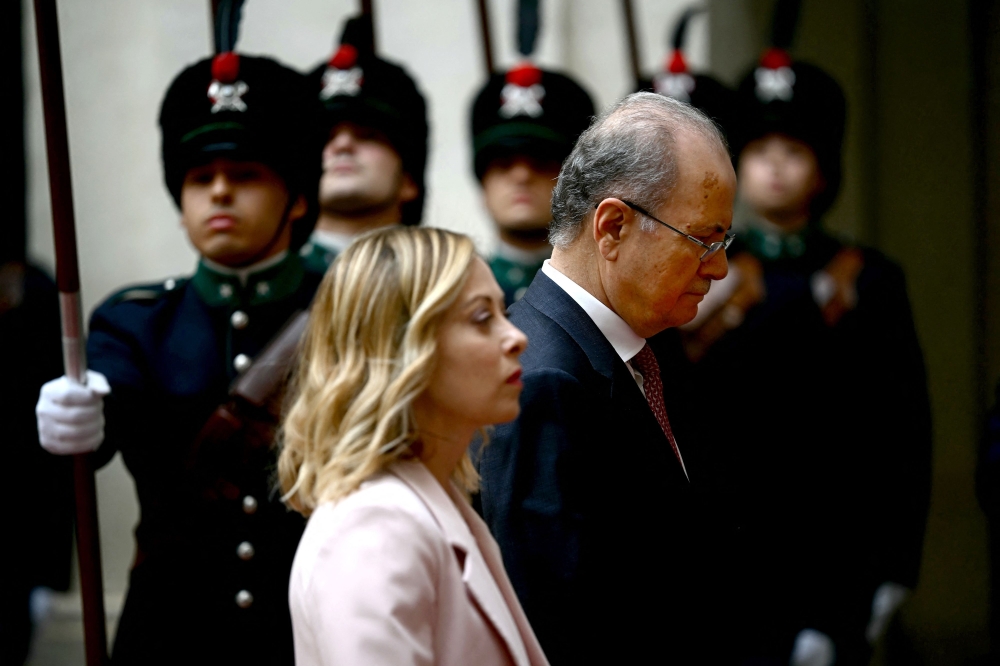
pixel 633 43
pixel 484 31
pixel 68 281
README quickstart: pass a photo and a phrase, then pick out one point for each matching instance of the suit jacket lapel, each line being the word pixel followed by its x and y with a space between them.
pixel 483 586
pixel 549 299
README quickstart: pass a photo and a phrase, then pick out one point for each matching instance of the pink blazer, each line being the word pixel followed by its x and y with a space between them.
pixel 402 572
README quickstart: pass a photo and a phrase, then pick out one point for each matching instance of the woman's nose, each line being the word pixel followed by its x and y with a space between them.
pixel 517 341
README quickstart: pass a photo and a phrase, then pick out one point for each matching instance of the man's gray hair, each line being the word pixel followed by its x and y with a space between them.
pixel 629 153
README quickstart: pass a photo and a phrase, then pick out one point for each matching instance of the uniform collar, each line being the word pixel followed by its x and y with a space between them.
pixel 516 255
pixel 331 241
pixel 768 242
pixel 270 280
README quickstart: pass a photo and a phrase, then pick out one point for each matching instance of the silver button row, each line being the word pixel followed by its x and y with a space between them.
pixel 245 551
pixel 241 362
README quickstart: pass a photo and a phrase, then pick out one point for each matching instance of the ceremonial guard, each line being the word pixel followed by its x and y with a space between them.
pixel 524 124
pixel 829 417
pixel 214 545
pixel 376 145
pixel 698 89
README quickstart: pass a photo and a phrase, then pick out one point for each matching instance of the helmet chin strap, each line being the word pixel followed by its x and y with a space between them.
pixel 285 221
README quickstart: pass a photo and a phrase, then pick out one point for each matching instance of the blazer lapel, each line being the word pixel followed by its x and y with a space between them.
pixel 477 575
pixel 493 560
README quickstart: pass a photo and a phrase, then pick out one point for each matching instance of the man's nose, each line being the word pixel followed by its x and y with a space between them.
pixel 520 171
pixel 343 140
pixel 716 268
pixel 222 187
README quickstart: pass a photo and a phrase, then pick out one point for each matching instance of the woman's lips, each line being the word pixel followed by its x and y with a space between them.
pixel 515 378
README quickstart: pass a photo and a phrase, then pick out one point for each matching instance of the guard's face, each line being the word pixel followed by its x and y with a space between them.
pixel 779 177
pixel 362 172
pixel 657 279
pixel 477 376
pixel 518 192
pixel 233 211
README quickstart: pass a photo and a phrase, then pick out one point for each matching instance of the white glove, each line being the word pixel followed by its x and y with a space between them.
pixel 888 598
pixel 71 415
pixel 812 648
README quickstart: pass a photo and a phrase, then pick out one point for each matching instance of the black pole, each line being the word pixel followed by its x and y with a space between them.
pixel 369 10
pixel 74 359
pixel 633 42
pixel 487 40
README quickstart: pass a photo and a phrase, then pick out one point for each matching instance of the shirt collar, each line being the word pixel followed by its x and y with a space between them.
pixel 621 336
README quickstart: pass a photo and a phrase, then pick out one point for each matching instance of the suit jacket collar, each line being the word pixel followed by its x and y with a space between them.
pixel 482 583
pixel 549 298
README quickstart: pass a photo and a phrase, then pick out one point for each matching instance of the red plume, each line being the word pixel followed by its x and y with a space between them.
pixel 524 75
pixel 676 63
pixel 226 67
pixel 345 57
pixel 775 59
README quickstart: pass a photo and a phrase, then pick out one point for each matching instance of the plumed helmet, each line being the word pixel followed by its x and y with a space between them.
pixel 356 86
pixel 797 99
pixel 528 111
pixel 243 108
pixel 700 90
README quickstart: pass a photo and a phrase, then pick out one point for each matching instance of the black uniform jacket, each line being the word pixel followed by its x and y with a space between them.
pixel 611 549
pixel 829 441
pixel 214 546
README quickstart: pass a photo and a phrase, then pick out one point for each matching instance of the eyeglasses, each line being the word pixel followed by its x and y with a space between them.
pixel 710 249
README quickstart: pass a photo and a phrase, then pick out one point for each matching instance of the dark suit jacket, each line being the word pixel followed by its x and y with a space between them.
pixel 613 553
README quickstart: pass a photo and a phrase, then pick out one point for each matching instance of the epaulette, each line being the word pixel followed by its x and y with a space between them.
pixel 149 292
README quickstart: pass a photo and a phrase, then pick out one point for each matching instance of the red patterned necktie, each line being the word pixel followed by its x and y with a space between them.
pixel 647 365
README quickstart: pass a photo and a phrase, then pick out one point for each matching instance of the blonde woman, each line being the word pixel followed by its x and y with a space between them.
pixel 407 356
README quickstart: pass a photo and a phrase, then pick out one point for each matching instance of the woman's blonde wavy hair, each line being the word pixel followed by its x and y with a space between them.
pixel 368 353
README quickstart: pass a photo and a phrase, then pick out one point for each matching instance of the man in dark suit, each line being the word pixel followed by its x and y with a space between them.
pixel 598 494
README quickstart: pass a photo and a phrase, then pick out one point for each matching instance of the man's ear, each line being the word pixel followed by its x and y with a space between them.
pixel 609 218
pixel 408 190
pixel 298 209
